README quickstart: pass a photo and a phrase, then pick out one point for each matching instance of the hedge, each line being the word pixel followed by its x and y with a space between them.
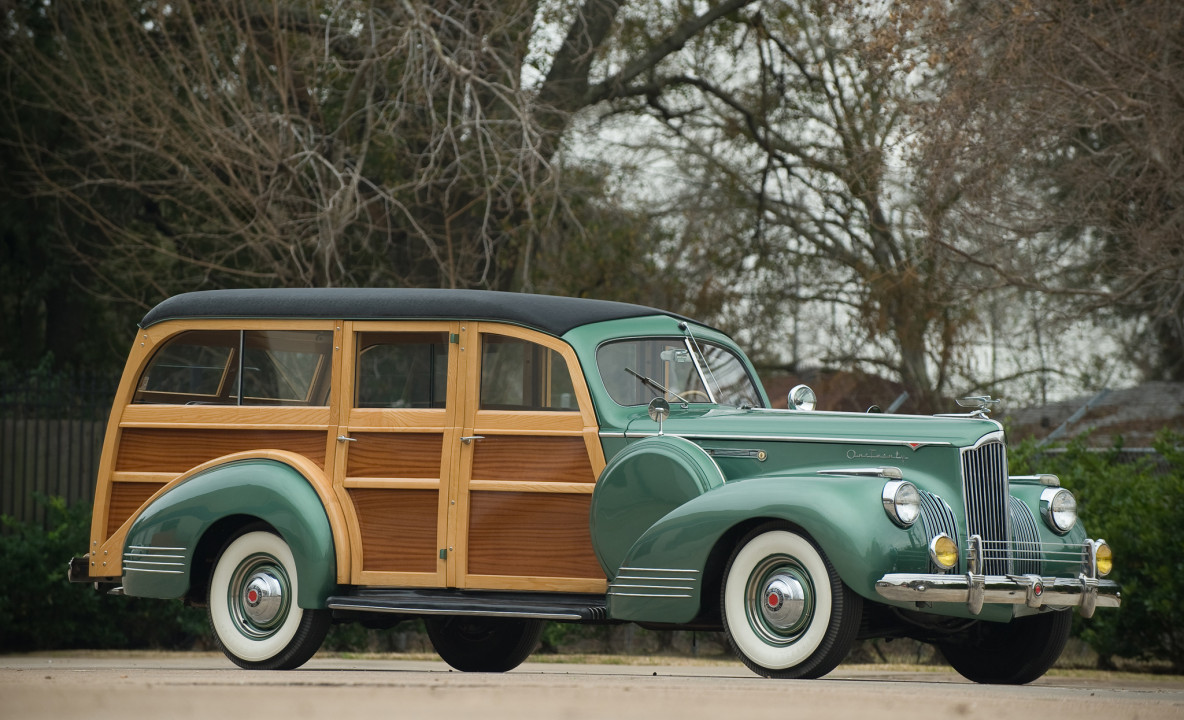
pixel 1138 508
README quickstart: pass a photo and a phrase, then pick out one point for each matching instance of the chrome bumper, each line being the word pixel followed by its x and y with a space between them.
pixel 1034 591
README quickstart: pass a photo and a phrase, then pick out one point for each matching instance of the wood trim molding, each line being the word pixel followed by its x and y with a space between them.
pixel 112 547
pixel 546 584
pixel 562 488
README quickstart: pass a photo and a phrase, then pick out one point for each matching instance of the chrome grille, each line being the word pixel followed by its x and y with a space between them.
pixel 986 493
pixel 1025 541
pixel 937 518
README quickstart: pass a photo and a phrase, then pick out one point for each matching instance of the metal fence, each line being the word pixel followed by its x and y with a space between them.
pixel 51 438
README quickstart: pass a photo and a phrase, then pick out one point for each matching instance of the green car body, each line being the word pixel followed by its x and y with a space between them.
pixel 795 531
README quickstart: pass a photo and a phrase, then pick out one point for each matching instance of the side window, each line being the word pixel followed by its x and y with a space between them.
pixel 194 367
pixel 286 367
pixel 401 370
pixel 521 375
pixel 229 367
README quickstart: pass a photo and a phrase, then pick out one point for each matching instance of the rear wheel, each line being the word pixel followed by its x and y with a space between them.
pixel 252 606
pixel 1012 653
pixel 785 610
pixel 484 644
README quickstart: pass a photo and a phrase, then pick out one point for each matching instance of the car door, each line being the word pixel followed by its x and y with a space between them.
pixel 397 449
pixel 529 458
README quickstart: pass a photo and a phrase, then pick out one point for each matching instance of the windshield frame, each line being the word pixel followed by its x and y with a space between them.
pixel 703 370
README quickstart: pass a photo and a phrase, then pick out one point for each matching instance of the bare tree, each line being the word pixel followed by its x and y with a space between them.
pixel 1060 134
pixel 796 124
pixel 416 142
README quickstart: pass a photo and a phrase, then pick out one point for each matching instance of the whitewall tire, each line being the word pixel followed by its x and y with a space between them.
pixel 253 608
pixel 785 610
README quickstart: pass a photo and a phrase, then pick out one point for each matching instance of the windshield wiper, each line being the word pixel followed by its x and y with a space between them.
pixel 658 386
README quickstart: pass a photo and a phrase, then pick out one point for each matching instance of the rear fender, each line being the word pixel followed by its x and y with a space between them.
pixel 160 549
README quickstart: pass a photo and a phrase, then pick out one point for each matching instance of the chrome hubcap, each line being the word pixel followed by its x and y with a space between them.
pixel 785 602
pixel 779 600
pixel 263 598
pixel 260 596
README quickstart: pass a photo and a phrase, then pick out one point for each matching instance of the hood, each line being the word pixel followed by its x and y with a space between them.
pixel 872 429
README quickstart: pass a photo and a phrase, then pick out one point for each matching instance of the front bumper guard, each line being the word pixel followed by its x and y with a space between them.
pixel 1082 592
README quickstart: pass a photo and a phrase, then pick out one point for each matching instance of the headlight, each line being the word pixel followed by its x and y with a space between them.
pixel 902 502
pixel 1059 509
pixel 943 551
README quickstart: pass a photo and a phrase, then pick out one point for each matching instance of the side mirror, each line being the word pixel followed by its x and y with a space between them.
pixel 659 410
pixel 801 397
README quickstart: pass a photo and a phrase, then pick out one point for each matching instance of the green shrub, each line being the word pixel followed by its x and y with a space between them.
pixel 41 610
pixel 1138 507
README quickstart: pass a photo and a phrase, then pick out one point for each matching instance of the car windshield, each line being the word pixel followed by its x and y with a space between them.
pixel 635 371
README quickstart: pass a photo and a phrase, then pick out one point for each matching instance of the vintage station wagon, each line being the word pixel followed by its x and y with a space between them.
pixel 490 461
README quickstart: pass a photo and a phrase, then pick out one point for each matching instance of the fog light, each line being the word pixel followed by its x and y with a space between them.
pixel 943 552
pixel 1104 557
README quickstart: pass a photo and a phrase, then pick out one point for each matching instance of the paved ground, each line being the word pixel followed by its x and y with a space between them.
pixel 192 685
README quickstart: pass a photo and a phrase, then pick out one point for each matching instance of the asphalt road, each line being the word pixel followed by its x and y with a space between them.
pixel 201 685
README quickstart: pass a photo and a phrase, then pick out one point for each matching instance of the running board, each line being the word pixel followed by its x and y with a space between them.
pixel 565 607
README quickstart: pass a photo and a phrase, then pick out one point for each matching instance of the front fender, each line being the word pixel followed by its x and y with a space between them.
pixel 843 515
pixel 158 553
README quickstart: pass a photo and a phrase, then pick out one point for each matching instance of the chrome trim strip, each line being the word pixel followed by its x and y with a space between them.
pixel 692 346
pixel 651 587
pixel 792 438
pixel 852 413
pixel 682 583
pixel 754 454
pixel 878 472
pixel 158 572
pixel 155 560
pixel 993 436
pixel 655 579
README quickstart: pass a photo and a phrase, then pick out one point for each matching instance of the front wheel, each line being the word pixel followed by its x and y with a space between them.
pixel 1012 653
pixel 785 609
pixel 253 610
pixel 484 644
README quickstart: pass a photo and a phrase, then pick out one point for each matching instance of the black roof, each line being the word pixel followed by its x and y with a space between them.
pixel 555 315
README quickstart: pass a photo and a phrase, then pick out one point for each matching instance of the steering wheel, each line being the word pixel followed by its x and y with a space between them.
pixel 695 396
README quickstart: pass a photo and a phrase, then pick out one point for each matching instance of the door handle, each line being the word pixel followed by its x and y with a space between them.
pixel 468 439
pixel 343 438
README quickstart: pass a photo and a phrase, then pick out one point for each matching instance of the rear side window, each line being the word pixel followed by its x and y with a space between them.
pixel 401 370
pixel 232 367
